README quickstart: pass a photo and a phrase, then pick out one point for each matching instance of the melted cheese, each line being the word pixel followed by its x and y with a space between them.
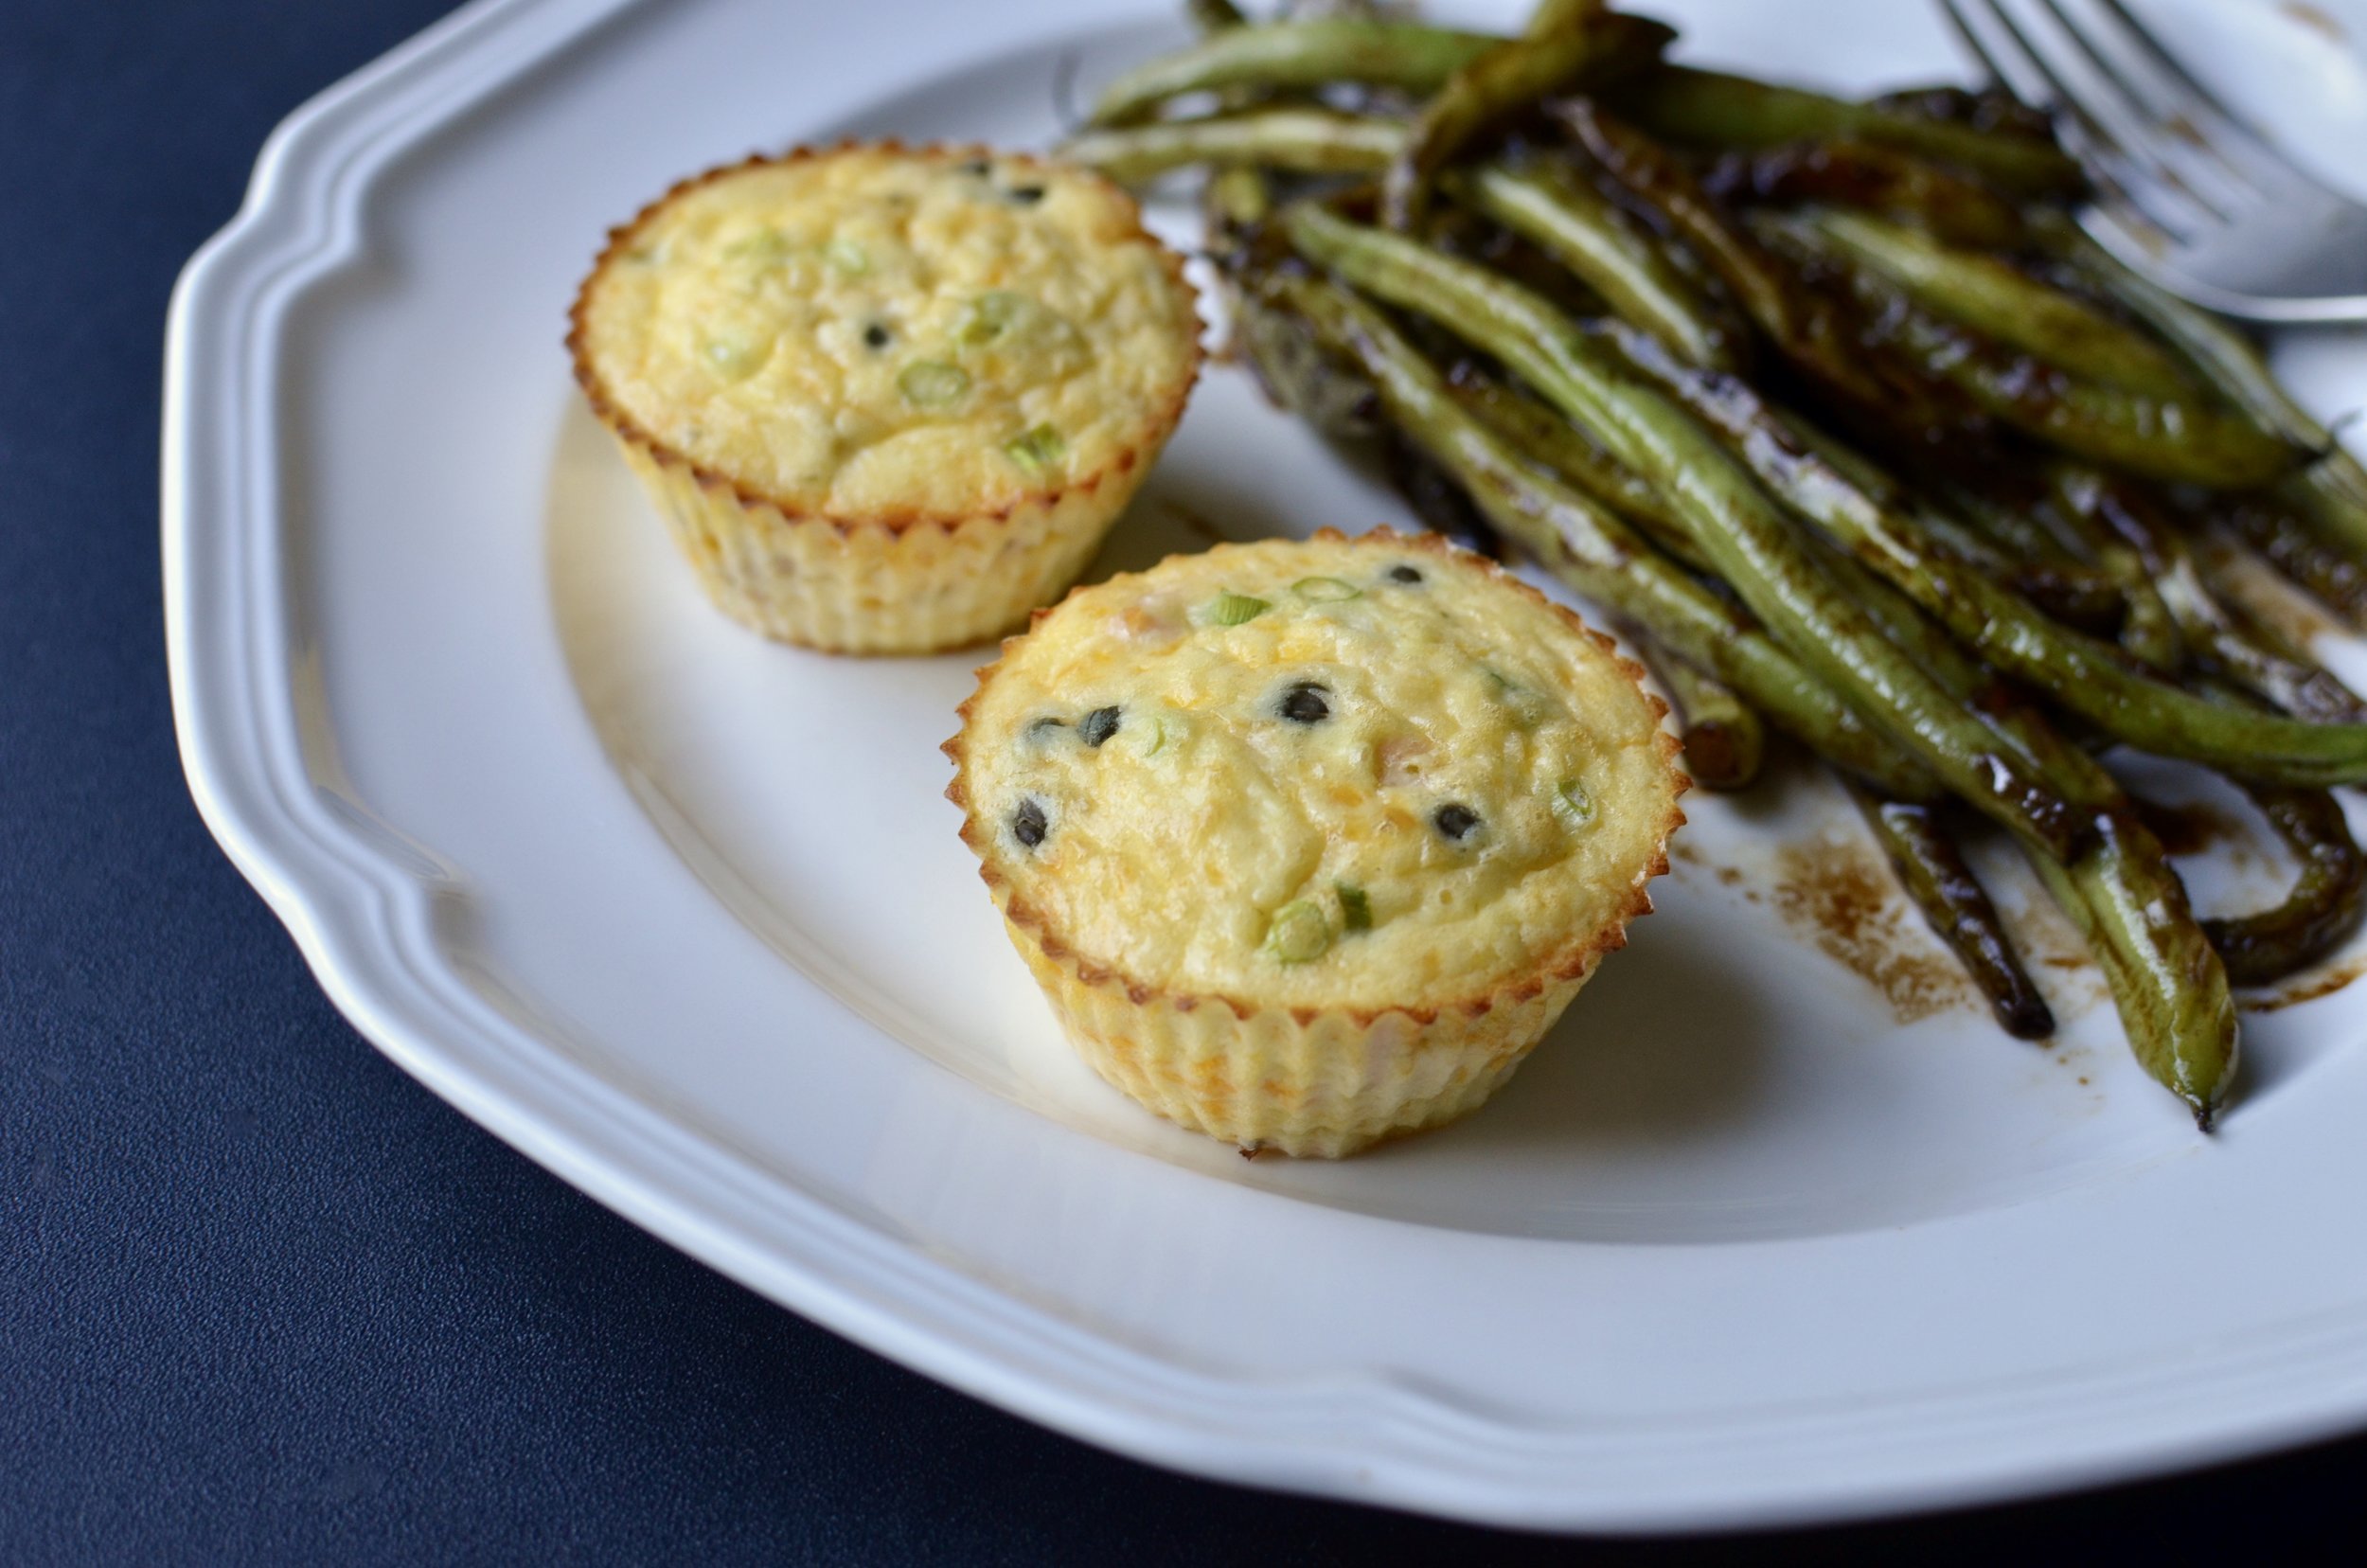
pixel 873 330
pixel 1211 843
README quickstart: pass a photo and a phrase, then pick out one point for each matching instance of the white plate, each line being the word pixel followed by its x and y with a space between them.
pixel 682 914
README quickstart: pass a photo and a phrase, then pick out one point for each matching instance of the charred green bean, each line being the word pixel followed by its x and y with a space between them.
pixel 1297 55
pixel 1725 741
pixel 1303 141
pixel 1585 231
pixel 1869 178
pixel 2180 440
pixel 1934 872
pixel 1562 39
pixel 1596 554
pixel 1706 108
pixel 2166 977
pixel 2088 677
pixel 2007 303
pixel 1754 544
pixel 2324 904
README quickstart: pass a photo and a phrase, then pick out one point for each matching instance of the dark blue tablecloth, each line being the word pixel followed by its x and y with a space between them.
pixel 264 1299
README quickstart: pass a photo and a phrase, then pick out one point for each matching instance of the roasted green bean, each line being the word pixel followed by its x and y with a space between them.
pixel 1754 546
pixel 1585 231
pixel 1725 741
pixel 1997 299
pixel 1559 214
pixel 2330 496
pixel 2086 676
pixel 1866 178
pixel 2283 536
pixel 1562 39
pixel 1816 339
pixel 1300 140
pixel 2180 440
pixel 1297 55
pixel 1562 449
pixel 2166 977
pixel 1591 550
pixel 1706 108
pixel 1934 872
pixel 2205 625
pixel 2324 904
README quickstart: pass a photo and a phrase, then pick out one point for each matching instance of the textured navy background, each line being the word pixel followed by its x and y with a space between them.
pixel 264 1299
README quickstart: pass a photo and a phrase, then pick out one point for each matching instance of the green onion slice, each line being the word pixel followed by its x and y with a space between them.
pixel 933 383
pixel 1232 609
pixel 1325 590
pixel 1299 932
pixel 1356 910
pixel 1035 451
pixel 991 315
pixel 1573 803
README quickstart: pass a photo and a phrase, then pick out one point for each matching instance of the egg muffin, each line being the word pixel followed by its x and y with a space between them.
pixel 1309 842
pixel 888 398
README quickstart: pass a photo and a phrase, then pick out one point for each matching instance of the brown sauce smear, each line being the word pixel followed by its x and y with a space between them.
pixel 2311 17
pixel 2191 830
pixel 1844 897
pixel 2306 988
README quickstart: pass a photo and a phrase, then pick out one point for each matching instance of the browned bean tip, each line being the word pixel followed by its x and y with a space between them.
pixel 2324 905
pixel 1562 40
pixel 1932 871
pixel 1878 178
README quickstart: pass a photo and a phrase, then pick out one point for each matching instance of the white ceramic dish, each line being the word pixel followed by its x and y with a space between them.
pixel 682 914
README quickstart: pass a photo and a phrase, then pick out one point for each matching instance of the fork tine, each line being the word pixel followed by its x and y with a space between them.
pixel 2069 63
pixel 2189 122
pixel 2144 197
pixel 2208 107
pixel 2018 78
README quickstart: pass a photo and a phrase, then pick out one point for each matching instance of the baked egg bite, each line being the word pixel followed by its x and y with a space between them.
pixel 889 400
pixel 1309 842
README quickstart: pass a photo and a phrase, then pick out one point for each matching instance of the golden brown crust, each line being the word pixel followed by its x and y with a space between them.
pixel 625 428
pixel 1571 963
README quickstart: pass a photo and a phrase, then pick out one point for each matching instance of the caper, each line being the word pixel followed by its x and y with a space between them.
pixel 1099 725
pixel 1454 821
pixel 1404 574
pixel 1028 824
pixel 1027 195
pixel 877 336
pixel 1304 703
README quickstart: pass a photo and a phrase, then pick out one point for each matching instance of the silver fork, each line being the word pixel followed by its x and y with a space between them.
pixel 2186 191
